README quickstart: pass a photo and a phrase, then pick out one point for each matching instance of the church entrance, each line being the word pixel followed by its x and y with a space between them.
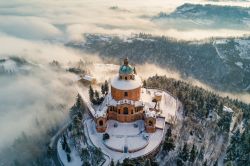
pixel 125 110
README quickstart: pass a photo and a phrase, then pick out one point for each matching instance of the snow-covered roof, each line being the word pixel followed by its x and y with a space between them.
pixel 158 93
pixel 227 109
pixel 126 84
pixel 113 102
pixel 101 113
pixel 150 104
pixel 149 113
pixel 139 103
pixel 88 77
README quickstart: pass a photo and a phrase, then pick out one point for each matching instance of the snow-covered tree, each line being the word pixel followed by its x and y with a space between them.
pixel 168 144
pixel 103 89
pixel 184 155
pixel 91 93
pixel 192 154
pixel 106 86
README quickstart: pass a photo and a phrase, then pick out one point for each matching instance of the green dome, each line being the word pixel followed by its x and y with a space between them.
pixel 126 69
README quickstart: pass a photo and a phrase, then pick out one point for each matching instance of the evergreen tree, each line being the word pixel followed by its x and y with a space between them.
pixel 144 83
pixel 220 109
pixel 97 96
pixel 169 132
pixel 205 163
pixel 112 163
pixel 201 154
pixel 168 144
pixel 79 115
pixel 85 156
pixel 148 163
pixel 106 86
pixel 192 154
pixel 233 149
pixel 86 164
pixel 64 141
pixel 91 94
pixel 216 163
pixel 184 153
pixel 127 162
pixel 67 148
pixel 98 155
pixel 179 162
pixel 154 163
pixel 68 157
pixel 78 101
pixel 103 89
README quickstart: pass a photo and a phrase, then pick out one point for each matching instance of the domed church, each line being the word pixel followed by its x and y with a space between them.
pixel 125 102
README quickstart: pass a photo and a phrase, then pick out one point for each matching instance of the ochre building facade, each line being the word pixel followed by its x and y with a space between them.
pixel 126 104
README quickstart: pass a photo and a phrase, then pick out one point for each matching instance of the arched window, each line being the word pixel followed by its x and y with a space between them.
pixel 132 111
pixel 125 93
pixel 150 123
pixel 126 78
pixel 100 123
pixel 125 110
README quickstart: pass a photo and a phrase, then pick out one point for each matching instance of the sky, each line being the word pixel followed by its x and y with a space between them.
pixel 67 20
pixel 37 30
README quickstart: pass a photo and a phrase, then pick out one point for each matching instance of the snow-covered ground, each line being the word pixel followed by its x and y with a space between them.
pixel 217 50
pixel 168 104
pixel 243 47
pixel 75 158
pixel 154 140
pixel 240 64
pixel 128 135
pixel 8 65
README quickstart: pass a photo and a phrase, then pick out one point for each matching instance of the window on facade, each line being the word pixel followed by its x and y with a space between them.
pixel 100 123
pixel 150 123
pixel 125 93
pixel 120 77
pixel 119 111
pixel 125 110
pixel 126 78
pixel 132 111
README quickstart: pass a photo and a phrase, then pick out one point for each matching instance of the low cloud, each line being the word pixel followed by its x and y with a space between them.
pixel 69 20
pixel 36 32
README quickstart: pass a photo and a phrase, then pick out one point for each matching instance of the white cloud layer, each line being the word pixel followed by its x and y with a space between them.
pixel 36 30
pixel 64 19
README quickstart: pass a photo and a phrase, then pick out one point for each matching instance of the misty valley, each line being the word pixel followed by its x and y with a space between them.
pixel 125 83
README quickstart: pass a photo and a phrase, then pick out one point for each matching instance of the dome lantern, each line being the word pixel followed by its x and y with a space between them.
pixel 126 69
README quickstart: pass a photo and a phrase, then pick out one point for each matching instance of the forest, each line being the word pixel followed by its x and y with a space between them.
pixel 210 61
pixel 199 105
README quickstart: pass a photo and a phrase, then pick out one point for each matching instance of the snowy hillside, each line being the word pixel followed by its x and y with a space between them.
pixel 223 63
pixel 14 65
pixel 8 66
pixel 206 16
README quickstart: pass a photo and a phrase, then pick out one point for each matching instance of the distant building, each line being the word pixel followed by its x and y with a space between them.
pixel 87 79
pixel 126 103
